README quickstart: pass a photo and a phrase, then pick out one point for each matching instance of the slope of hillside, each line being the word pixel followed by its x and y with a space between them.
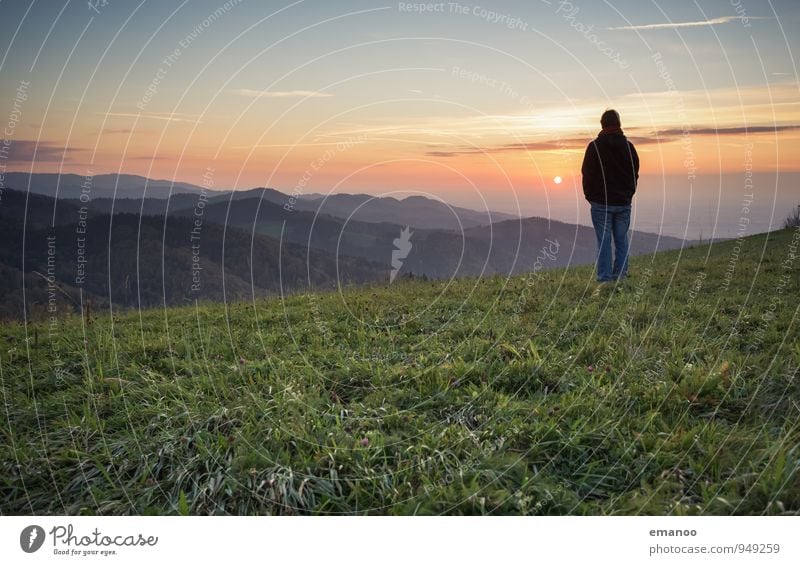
pixel 416 211
pixel 97 186
pixel 511 246
pixel 141 261
pixel 125 193
pixel 672 393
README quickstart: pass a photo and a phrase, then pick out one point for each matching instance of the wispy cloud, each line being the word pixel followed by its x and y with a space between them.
pixel 738 130
pixel 299 144
pixel 162 116
pixel 647 118
pixel 674 25
pixel 640 138
pixel 148 158
pixel 570 144
pixel 26 151
pixel 281 93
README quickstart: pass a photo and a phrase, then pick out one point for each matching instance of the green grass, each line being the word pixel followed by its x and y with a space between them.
pixel 675 392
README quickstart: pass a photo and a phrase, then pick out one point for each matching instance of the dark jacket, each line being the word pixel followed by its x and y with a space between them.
pixel 610 170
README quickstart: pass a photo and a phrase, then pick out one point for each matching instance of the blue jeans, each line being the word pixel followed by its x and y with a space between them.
pixel 611 222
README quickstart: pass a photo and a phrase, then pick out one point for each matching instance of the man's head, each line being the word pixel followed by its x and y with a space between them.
pixel 610 119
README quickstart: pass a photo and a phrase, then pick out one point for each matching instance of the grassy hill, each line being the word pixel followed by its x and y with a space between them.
pixel 674 393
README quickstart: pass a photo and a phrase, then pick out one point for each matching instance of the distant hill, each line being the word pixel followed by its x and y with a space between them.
pixel 127 191
pixel 145 206
pixel 355 238
pixel 137 258
pixel 416 211
pixel 511 246
pixel 101 186
pixel 143 261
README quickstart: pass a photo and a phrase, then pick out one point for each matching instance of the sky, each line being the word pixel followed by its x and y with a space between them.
pixel 480 104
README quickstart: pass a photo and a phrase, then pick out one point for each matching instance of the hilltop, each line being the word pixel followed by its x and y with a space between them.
pixel 672 393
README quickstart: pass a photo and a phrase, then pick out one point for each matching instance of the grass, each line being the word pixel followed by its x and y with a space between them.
pixel 675 392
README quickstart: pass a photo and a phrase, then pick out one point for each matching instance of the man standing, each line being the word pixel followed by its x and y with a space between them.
pixel 610 173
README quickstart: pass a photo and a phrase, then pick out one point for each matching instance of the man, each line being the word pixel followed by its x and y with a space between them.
pixel 610 173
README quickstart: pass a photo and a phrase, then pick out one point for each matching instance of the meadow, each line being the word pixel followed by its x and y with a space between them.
pixel 673 392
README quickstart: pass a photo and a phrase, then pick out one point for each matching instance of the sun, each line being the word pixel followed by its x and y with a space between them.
pixel 557 180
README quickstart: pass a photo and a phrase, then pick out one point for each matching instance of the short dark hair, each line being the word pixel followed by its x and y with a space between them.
pixel 610 118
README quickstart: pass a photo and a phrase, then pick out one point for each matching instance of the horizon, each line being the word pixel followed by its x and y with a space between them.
pixel 697 220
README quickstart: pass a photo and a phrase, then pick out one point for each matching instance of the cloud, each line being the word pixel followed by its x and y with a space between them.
pixel 146 158
pixel 573 143
pixel 674 25
pixel 554 145
pixel 641 140
pixel 281 93
pixel 27 151
pixel 111 131
pixel 737 130
pixel 659 136
pixel 296 145
pixel 645 116
pixel 446 153
pixel 163 116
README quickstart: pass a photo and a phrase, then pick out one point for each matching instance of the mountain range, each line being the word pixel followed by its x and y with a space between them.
pixel 180 243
